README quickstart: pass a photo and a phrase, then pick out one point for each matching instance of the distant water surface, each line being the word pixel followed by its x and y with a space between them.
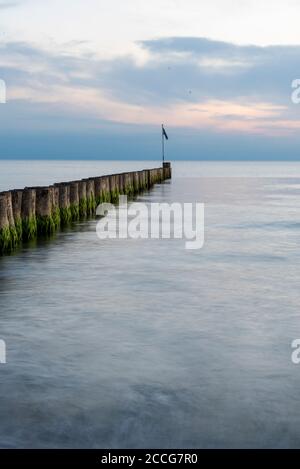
pixel 124 343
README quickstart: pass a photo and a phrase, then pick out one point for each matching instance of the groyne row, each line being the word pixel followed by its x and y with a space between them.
pixel 32 212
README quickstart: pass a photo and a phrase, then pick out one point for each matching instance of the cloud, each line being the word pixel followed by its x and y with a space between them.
pixel 4 4
pixel 197 69
pixel 199 45
pixel 186 81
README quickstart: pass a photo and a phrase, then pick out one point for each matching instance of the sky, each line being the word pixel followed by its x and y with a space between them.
pixel 95 79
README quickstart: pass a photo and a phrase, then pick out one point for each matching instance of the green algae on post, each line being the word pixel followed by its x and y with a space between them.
pixel 90 197
pixel 114 191
pixel 45 223
pixel 74 201
pixel 82 199
pixel 9 238
pixel 64 203
pixel 17 212
pixel 14 241
pixel 29 226
pixel 5 236
pixel 55 207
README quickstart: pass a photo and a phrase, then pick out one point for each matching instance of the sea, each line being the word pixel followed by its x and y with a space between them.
pixel 142 343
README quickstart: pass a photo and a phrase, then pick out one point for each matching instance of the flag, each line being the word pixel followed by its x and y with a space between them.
pixel 165 133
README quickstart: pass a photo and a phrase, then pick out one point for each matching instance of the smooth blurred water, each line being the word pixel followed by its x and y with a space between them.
pixel 123 343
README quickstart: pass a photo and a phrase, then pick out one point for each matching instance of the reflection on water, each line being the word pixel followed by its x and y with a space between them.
pixel 124 343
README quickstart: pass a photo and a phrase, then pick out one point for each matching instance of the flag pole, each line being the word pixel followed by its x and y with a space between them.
pixel 162 143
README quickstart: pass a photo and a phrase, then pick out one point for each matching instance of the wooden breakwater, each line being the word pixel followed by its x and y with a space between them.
pixel 32 212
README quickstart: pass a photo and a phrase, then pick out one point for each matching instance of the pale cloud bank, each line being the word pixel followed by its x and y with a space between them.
pixel 185 81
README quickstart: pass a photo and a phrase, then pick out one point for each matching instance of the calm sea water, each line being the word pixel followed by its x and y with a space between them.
pixel 123 343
